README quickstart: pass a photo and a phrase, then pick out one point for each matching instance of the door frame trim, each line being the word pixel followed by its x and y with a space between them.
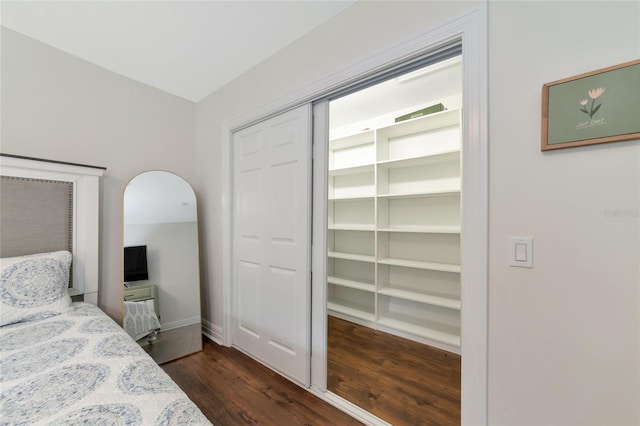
pixel 471 28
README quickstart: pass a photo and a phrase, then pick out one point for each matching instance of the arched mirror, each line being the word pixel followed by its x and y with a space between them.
pixel 161 270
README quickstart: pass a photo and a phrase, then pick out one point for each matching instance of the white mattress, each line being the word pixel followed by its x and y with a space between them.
pixel 80 367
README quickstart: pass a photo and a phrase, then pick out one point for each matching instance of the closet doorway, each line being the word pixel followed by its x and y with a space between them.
pixel 471 30
pixel 394 246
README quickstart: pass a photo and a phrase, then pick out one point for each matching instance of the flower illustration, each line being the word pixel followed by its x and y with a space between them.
pixel 593 94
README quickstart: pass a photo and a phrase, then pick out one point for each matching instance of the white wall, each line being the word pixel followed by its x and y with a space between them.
pixel 172 260
pixel 59 107
pixel 564 338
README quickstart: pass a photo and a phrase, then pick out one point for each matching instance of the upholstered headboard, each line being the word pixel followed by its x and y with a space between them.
pixel 47 206
pixel 37 216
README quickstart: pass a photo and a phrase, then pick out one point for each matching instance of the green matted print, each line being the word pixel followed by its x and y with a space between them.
pixel 596 107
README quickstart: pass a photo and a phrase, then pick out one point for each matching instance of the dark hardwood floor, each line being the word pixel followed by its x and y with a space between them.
pixel 232 389
pixel 400 381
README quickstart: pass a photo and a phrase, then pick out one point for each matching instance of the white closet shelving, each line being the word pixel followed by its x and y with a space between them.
pixel 394 229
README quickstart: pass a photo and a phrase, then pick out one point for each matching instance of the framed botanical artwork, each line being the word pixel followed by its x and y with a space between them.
pixel 591 108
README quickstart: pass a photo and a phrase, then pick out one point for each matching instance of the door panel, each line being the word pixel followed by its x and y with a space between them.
pixel 249 212
pixel 249 282
pixel 271 238
pixel 283 205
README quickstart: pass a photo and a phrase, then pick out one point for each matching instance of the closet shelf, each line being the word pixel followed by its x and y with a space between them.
pixel 442 333
pixel 352 170
pixel 352 309
pixel 401 185
pixel 441 157
pixel 359 285
pixel 418 264
pixel 362 138
pixel 434 193
pixel 351 256
pixel 437 120
pixel 351 227
pixel 364 197
pixel 435 229
pixel 434 299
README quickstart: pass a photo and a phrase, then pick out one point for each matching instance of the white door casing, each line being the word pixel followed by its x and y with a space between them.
pixel 271 242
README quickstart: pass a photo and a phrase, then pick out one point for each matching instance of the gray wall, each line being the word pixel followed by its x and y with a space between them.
pixel 59 107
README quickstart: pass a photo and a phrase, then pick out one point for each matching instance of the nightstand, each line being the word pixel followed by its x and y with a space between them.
pixel 141 292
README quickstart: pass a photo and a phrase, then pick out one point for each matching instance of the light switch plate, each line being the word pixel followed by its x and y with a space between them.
pixel 520 252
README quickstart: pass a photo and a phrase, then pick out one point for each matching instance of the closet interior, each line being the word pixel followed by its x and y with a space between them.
pixel 394 225
pixel 394 206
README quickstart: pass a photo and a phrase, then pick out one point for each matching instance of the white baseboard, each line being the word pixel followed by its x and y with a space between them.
pixel 212 331
pixel 177 324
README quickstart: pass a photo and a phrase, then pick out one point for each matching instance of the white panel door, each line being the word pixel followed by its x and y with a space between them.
pixel 271 242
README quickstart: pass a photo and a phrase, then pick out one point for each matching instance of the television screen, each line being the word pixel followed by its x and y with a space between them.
pixel 135 263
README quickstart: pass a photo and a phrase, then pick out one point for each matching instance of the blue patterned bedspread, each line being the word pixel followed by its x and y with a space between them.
pixel 140 319
pixel 80 367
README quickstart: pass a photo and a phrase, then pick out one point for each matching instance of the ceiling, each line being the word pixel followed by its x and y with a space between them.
pixel 186 48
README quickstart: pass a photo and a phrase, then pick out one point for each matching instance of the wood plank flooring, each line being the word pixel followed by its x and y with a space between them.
pixel 400 381
pixel 232 389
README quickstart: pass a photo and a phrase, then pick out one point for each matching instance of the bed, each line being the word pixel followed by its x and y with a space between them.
pixel 65 362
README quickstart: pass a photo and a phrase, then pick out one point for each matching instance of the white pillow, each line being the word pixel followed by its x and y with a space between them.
pixel 34 286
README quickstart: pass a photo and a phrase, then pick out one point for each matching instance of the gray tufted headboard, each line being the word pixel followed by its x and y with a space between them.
pixel 36 216
pixel 48 206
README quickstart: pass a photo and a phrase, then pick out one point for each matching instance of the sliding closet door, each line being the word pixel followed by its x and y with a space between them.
pixel 271 242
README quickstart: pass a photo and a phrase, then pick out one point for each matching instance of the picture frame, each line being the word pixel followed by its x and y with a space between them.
pixel 596 107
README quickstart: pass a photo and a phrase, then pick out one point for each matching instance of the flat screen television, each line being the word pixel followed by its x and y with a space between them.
pixel 135 263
